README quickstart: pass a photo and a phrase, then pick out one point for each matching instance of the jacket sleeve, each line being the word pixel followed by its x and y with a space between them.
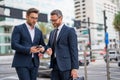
pixel 73 49
pixel 15 41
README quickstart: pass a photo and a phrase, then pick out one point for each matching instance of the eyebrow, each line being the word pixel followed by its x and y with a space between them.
pixel 34 17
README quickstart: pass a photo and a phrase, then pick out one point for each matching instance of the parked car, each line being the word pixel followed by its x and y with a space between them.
pixel 118 64
pixel 118 58
pixel 82 62
pixel 81 59
pixel 44 69
pixel 112 55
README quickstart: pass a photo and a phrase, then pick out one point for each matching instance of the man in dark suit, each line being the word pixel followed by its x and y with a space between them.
pixel 25 40
pixel 64 57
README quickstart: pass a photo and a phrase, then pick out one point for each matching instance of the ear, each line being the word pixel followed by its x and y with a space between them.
pixel 61 18
pixel 26 16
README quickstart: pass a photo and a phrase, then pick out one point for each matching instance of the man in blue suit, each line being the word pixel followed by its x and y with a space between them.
pixel 63 42
pixel 25 40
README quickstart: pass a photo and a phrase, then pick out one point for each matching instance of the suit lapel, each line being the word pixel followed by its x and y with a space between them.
pixel 61 32
pixel 35 36
pixel 27 33
pixel 52 36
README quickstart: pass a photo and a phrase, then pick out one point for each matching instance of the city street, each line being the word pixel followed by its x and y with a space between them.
pixel 97 32
pixel 95 70
pixel 8 73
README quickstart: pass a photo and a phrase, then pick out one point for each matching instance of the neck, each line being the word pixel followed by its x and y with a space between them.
pixel 31 27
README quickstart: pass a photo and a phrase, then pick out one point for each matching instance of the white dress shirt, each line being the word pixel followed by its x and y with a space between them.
pixel 32 34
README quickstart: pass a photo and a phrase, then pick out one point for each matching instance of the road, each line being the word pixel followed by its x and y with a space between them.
pixel 95 70
pixel 8 73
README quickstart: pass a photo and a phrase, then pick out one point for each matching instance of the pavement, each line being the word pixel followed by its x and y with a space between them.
pixel 5 64
pixel 6 59
pixel 7 72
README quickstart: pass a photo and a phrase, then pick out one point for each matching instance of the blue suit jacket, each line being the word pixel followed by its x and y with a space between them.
pixel 66 49
pixel 21 42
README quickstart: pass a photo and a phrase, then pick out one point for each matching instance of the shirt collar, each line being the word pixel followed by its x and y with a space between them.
pixel 60 27
pixel 29 26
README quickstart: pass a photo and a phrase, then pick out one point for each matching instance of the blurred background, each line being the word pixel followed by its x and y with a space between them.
pixel 96 23
pixel 86 16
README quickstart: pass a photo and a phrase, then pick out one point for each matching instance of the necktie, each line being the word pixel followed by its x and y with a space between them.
pixel 54 40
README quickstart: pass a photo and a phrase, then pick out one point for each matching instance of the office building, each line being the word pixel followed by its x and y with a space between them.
pixel 117 2
pixel 7 24
pixel 93 9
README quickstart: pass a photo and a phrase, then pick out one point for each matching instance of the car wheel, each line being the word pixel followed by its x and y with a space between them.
pixel 119 64
pixel 80 63
pixel 110 59
pixel 116 59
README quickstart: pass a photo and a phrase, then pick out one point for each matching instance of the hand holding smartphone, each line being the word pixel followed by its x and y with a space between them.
pixel 40 48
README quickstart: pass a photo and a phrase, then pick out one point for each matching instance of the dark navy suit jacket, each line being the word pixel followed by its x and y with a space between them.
pixel 66 49
pixel 21 42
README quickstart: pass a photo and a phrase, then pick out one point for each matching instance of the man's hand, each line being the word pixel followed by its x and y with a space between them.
pixel 33 49
pixel 40 48
pixel 40 55
pixel 74 73
pixel 49 51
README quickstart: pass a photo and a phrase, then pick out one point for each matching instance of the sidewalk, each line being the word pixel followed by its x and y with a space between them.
pixel 7 72
pixel 6 59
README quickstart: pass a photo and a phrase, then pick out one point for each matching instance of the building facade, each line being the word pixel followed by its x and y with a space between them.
pixel 7 24
pixel 117 2
pixel 93 9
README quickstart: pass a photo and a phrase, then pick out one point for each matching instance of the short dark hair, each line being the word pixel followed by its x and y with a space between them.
pixel 32 10
pixel 57 12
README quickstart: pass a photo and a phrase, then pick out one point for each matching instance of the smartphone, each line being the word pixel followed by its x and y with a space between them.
pixel 39 46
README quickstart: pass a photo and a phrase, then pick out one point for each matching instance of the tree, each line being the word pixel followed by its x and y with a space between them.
pixel 116 22
pixel 45 28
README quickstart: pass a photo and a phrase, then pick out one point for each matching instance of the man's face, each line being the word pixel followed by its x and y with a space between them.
pixel 56 21
pixel 32 19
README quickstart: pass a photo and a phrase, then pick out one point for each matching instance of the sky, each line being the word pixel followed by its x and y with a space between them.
pixel 66 6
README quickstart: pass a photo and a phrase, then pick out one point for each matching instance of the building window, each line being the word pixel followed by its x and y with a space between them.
pixel 77 10
pixel 114 40
pixel 77 2
pixel 110 40
pixel 83 8
pixel 77 6
pixel 77 13
pixel 83 4
pixel 84 15
pixel 84 12
pixel 84 19
pixel 77 17
pixel 83 0
pixel 7 30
